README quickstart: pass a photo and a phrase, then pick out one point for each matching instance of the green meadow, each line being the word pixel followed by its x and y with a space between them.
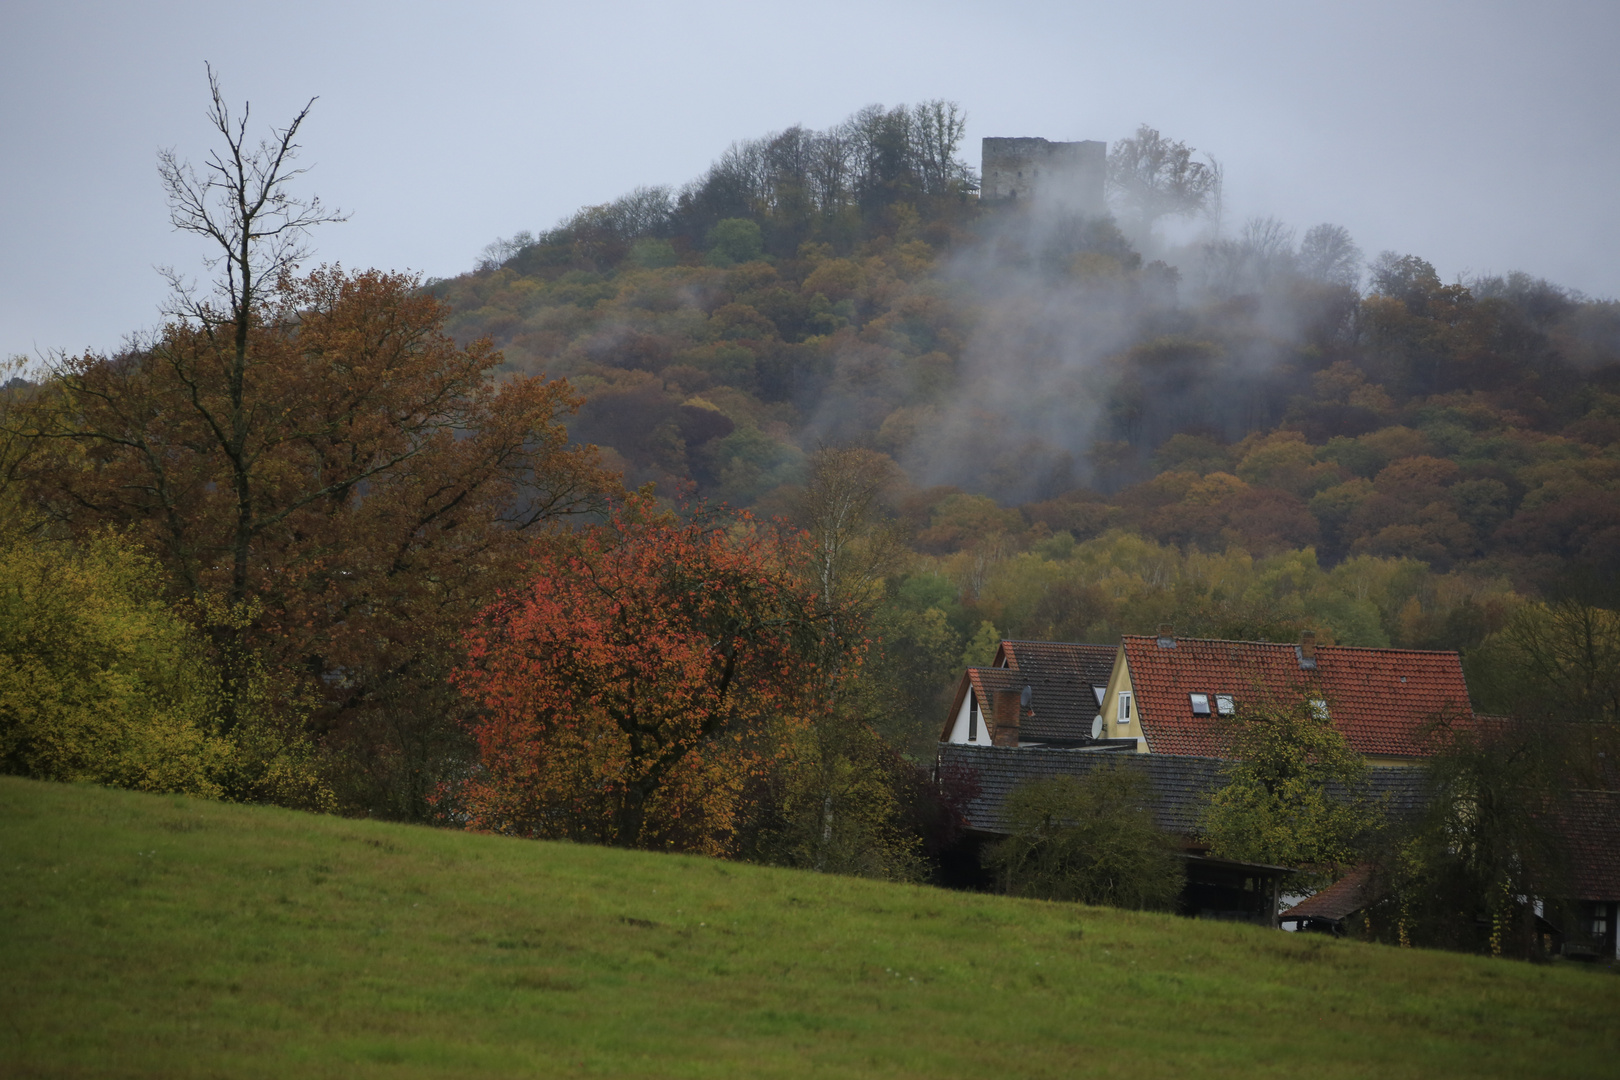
pixel 161 936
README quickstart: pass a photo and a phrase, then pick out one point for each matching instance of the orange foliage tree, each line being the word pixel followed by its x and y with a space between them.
pixel 342 492
pixel 641 678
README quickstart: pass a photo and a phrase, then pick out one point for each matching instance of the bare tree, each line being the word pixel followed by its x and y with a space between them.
pixel 1152 177
pixel 1264 250
pixel 242 202
pixel 1328 254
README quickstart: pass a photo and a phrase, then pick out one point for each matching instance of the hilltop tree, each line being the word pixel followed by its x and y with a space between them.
pixel 1154 177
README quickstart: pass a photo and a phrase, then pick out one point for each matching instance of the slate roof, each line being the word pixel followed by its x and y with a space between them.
pixel 1073 661
pixel 1181 785
pixel 1060 675
pixel 1591 829
pixel 1380 699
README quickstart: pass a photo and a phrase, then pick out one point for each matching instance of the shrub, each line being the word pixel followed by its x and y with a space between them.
pixel 1089 839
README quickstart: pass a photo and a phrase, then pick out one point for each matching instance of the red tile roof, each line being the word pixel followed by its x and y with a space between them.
pixel 1379 699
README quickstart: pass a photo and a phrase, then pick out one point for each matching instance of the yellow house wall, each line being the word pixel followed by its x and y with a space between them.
pixel 1119 681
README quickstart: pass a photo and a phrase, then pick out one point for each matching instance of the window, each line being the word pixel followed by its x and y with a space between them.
pixel 1319 708
pixel 973 716
pixel 1200 704
pixel 1124 708
pixel 1225 705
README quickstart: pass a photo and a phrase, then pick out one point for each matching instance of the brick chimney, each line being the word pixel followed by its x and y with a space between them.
pixel 1004 708
pixel 1167 636
pixel 1307 650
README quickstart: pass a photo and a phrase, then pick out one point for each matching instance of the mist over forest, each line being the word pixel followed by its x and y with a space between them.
pixel 1199 382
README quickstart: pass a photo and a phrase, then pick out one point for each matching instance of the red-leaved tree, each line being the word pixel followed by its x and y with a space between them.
pixel 640 677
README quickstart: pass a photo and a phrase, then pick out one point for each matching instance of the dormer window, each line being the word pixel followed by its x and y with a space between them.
pixel 1200 704
pixel 1099 692
pixel 1225 705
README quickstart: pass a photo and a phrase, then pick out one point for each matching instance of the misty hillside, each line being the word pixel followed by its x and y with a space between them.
pixel 1043 380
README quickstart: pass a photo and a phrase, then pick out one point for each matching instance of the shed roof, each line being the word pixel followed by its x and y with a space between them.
pixel 1379 699
pixel 1344 897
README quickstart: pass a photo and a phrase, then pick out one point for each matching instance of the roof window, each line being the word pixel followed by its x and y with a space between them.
pixel 1225 705
pixel 1200 704
pixel 1319 708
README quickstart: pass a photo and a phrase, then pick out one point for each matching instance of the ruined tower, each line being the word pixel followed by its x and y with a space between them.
pixel 1068 175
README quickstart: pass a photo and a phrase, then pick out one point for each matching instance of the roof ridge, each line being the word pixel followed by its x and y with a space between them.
pixel 1295 645
pixel 1048 641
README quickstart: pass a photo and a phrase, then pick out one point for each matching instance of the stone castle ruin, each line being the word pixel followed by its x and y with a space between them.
pixel 1066 175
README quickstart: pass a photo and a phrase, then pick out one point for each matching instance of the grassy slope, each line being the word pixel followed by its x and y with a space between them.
pixel 145 935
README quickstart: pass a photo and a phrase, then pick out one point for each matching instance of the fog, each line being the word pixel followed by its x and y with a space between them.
pixel 1481 136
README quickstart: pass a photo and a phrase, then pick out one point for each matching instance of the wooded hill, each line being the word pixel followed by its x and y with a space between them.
pixel 1244 434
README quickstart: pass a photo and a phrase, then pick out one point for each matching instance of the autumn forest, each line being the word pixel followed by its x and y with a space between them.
pixel 672 526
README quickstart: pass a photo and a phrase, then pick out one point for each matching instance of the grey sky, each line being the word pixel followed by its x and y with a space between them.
pixel 1483 136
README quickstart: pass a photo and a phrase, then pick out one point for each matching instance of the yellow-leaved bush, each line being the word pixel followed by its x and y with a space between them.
pixel 102 682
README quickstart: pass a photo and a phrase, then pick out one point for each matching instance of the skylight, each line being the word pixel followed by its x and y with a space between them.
pixel 1200 704
pixel 1225 705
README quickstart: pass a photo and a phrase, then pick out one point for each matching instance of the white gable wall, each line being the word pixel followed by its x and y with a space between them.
pixel 959 727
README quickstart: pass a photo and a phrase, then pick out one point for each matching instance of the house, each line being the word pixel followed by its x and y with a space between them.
pixel 1181 786
pixel 1046 693
pixel 1158 703
pixel 1169 694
